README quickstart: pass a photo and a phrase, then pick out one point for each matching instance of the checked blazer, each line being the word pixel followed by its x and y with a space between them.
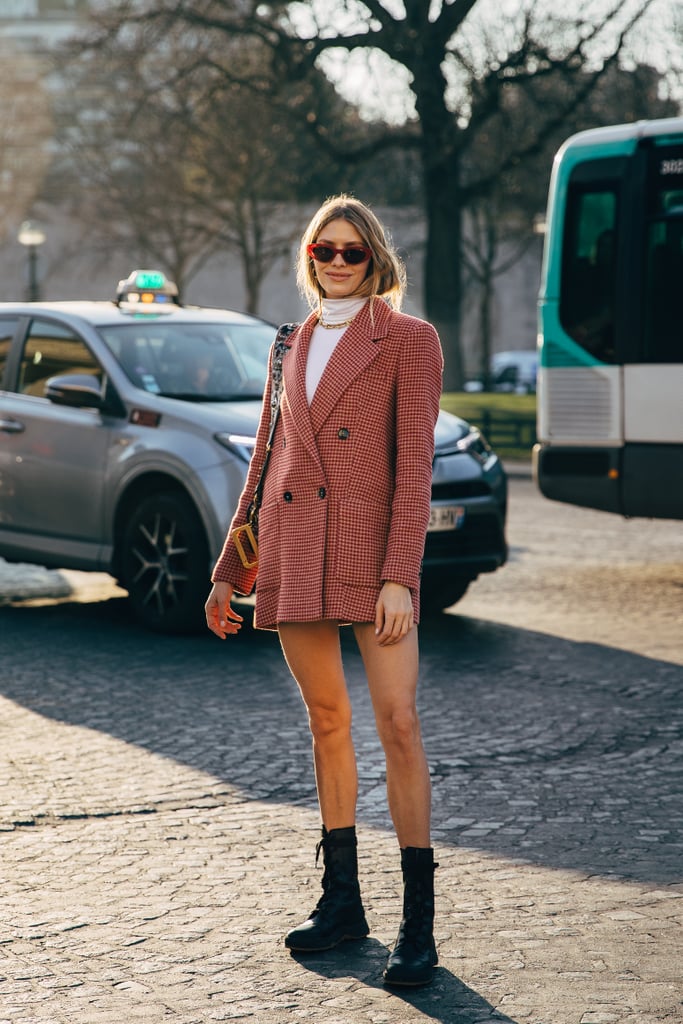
pixel 347 493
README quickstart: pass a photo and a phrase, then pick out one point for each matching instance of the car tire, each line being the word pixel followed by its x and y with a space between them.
pixel 164 564
pixel 437 595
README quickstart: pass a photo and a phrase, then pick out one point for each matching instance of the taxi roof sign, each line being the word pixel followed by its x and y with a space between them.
pixel 146 288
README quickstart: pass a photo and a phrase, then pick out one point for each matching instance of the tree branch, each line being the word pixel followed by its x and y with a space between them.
pixel 488 102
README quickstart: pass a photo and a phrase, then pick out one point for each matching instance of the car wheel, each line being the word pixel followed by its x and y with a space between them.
pixel 164 564
pixel 440 594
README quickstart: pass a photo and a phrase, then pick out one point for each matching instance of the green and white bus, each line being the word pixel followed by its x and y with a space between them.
pixel 610 380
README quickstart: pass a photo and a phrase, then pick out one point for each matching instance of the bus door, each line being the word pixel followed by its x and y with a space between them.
pixel 652 473
pixel 580 413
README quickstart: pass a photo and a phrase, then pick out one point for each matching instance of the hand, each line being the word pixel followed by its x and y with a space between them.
pixel 220 616
pixel 393 614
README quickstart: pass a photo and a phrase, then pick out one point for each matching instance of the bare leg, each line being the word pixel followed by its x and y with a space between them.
pixel 313 654
pixel 392 673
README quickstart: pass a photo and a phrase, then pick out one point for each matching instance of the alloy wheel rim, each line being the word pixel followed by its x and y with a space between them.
pixel 161 555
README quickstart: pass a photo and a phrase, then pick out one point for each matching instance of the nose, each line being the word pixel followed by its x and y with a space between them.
pixel 338 260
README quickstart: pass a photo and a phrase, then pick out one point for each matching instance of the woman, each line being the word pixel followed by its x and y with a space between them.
pixel 341 535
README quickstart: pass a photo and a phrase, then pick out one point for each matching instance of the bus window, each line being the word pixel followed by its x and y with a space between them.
pixel 663 323
pixel 588 287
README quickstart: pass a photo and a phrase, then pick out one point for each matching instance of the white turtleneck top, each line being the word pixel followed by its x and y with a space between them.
pixel 324 339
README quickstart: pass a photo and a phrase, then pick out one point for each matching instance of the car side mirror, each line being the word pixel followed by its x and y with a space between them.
pixel 78 390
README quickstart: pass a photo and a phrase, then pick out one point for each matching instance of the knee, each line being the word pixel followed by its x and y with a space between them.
pixel 400 729
pixel 329 723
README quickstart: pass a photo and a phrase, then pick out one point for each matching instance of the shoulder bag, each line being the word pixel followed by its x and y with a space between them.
pixel 245 537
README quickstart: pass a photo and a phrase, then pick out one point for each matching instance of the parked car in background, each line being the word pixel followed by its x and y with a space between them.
pixel 513 372
pixel 126 430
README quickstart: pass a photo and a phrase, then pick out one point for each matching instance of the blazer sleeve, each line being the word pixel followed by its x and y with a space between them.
pixel 228 567
pixel 418 391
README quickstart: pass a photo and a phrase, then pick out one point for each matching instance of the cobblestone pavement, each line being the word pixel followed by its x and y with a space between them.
pixel 158 820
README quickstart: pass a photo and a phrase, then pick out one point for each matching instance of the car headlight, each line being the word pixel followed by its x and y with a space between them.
pixel 475 444
pixel 241 445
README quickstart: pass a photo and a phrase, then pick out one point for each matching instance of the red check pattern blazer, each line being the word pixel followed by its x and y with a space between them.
pixel 347 493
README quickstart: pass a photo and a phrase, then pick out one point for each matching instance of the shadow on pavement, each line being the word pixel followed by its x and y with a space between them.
pixel 438 1001
pixel 542 749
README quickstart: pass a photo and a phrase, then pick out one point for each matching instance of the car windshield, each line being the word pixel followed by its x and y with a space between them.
pixel 198 362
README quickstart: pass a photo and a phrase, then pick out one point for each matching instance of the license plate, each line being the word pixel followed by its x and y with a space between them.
pixel 446 517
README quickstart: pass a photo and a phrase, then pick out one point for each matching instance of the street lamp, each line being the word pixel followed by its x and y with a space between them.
pixel 32 236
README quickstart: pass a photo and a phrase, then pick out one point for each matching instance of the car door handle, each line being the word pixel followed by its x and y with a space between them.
pixel 11 426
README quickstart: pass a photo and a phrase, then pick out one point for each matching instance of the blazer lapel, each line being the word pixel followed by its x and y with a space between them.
pixel 294 377
pixel 356 349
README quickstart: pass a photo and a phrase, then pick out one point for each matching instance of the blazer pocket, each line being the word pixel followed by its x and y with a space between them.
pixel 362 540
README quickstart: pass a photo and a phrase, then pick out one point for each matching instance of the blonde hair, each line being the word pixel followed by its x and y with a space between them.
pixel 386 274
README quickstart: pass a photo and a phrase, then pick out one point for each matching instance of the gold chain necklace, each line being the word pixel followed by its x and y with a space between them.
pixel 336 327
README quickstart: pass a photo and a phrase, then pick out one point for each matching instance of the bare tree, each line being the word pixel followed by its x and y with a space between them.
pixel 458 87
pixel 25 131
pixel 181 159
pixel 459 75
pixel 491 230
pixel 499 226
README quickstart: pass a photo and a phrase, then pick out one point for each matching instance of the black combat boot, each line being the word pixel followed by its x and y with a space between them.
pixel 339 913
pixel 414 955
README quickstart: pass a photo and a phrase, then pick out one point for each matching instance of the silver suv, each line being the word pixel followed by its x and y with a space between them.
pixel 126 430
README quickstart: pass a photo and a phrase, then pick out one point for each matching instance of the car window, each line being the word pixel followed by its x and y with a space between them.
pixel 195 361
pixel 51 350
pixel 8 327
pixel 508 375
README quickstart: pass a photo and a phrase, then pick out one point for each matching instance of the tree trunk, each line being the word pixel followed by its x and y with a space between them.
pixel 486 299
pixel 248 226
pixel 443 265
pixel 252 281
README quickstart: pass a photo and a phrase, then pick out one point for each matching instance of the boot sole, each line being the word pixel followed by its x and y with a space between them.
pixel 400 983
pixel 408 984
pixel 321 949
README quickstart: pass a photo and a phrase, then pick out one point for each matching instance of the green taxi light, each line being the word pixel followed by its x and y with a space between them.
pixel 146 287
pixel 150 279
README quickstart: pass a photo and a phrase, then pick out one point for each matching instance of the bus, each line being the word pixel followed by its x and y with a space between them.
pixel 610 378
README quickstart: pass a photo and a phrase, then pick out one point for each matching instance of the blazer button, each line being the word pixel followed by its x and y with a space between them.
pixel 287 495
pixel 321 492
pixel 343 433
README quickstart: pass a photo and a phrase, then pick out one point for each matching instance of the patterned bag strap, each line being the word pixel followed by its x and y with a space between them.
pixel 279 348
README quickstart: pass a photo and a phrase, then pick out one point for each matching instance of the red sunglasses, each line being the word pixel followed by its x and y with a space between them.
pixel 352 254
